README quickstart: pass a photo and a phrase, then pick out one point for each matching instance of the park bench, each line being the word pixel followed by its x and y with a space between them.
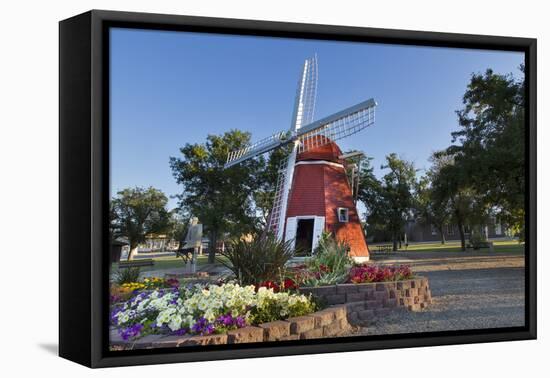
pixel 480 245
pixel 136 263
pixel 384 248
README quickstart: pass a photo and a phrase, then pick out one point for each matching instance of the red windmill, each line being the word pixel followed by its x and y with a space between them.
pixel 313 191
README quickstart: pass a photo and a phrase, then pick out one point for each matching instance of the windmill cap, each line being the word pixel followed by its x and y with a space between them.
pixel 328 150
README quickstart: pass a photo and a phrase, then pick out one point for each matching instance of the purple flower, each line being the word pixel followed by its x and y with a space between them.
pixel 114 318
pixel 131 332
pixel 180 332
pixel 202 327
pixel 240 322
pixel 225 320
pixel 229 321
pixel 208 329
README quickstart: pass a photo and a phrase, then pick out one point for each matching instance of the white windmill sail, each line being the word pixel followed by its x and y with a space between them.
pixel 304 106
pixel 304 135
pixel 334 127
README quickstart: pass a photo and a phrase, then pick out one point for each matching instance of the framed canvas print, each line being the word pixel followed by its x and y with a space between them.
pixel 234 188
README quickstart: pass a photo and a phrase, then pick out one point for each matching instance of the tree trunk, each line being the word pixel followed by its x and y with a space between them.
pixel 462 237
pixel 394 241
pixel 133 252
pixel 442 233
pixel 212 248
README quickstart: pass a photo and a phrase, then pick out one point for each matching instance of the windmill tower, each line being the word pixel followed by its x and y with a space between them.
pixel 313 193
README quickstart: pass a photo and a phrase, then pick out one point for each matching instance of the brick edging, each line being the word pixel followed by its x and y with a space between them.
pixel 367 301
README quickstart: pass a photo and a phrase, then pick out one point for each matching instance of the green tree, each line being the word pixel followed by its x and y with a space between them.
pixel 430 209
pixel 450 186
pixel 491 143
pixel 369 185
pixel 221 198
pixel 178 225
pixel 138 212
pixel 389 202
pixel 430 206
pixel 267 181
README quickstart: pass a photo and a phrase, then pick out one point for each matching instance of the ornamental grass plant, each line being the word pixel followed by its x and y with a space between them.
pixel 127 275
pixel 258 260
pixel 329 265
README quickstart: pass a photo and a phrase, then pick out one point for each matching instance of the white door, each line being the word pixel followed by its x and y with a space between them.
pixel 290 233
pixel 318 228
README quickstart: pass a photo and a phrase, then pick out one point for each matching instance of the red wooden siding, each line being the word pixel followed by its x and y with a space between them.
pixel 320 189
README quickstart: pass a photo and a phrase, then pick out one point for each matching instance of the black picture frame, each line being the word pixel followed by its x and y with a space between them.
pixel 84 185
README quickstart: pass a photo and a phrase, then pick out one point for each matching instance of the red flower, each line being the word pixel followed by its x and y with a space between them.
pixel 172 282
pixel 269 285
pixel 323 268
pixel 289 284
pixel 373 273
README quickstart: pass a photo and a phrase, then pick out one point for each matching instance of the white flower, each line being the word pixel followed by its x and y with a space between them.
pixel 209 303
pixel 175 322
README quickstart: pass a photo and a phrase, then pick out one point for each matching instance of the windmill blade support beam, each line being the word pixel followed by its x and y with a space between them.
pixel 370 103
pixel 284 138
pixel 259 148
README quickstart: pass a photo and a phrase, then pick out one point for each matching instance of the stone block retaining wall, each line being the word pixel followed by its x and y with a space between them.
pixel 368 301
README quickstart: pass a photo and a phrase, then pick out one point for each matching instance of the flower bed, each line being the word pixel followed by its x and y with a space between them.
pixel 201 310
pixel 123 291
pixel 330 322
pixel 322 275
pixel 374 273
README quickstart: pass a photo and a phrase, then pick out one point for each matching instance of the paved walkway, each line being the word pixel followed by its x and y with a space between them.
pixel 433 261
pixel 470 290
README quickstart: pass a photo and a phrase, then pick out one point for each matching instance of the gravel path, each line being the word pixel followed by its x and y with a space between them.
pixel 466 295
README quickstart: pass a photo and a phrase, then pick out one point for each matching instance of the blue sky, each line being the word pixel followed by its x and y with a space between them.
pixel 172 88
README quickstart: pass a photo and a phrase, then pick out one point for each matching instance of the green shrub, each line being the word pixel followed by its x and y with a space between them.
pixel 268 313
pixel 274 309
pixel 477 240
pixel 261 259
pixel 330 264
pixel 127 275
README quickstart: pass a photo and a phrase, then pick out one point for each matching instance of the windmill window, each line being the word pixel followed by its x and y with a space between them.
pixel 343 215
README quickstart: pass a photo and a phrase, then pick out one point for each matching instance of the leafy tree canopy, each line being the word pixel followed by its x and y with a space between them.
pixel 491 143
pixel 389 202
pixel 221 198
pixel 138 212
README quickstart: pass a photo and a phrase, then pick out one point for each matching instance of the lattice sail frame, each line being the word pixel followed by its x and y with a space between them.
pixel 273 220
pixel 258 148
pixel 332 128
pixel 306 94
pixel 340 128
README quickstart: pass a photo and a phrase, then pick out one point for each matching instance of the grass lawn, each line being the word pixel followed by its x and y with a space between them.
pixel 170 263
pixel 454 246
pixel 163 263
